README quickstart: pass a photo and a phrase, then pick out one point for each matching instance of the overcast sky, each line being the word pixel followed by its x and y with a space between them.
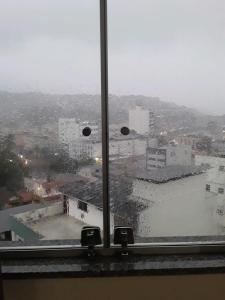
pixel 174 49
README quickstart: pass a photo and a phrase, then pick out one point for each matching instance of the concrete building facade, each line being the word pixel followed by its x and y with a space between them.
pixel 68 130
pixel 168 156
pixel 177 207
pixel 118 148
pixel 139 120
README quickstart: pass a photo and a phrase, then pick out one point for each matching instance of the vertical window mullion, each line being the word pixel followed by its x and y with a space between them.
pixel 105 121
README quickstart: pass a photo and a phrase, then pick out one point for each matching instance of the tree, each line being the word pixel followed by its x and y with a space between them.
pixel 12 170
pixel 61 162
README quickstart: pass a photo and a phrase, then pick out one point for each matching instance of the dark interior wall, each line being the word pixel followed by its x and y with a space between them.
pixel 185 287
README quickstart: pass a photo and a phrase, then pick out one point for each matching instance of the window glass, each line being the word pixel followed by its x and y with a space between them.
pixel 166 82
pixel 50 133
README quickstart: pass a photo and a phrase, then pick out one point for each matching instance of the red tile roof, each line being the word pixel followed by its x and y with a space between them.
pixel 26 196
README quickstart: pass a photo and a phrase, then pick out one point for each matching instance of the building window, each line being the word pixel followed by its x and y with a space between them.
pixel 82 206
pixel 207 187
pixel 220 190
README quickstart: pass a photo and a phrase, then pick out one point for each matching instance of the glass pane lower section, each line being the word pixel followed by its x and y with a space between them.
pixel 166 106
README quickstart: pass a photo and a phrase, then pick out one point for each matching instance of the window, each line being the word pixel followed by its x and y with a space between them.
pixel 222 168
pixel 207 187
pixel 220 190
pixel 51 77
pixel 82 206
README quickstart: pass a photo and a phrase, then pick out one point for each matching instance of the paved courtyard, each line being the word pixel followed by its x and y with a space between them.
pixel 58 227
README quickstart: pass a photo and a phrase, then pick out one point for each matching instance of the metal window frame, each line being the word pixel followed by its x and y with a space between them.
pixel 105 121
pixel 203 244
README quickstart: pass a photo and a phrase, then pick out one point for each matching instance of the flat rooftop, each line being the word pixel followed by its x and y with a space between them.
pixel 163 175
pixel 58 227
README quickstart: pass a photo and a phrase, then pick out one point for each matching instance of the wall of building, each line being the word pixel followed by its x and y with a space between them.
pixel 81 149
pixel 178 155
pixel 68 130
pixel 215 179
pixel 155 158
pixel 139 120
pixel 93 216
pixel 120 148
pixel 188 140
pixel 168 156
pixel 213 161
pixel 127 147
pixel 176 208
pixel 93 126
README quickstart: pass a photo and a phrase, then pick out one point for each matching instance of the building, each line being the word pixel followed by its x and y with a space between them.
pixel 43 189
pixel 94 126
pixel 52 221
pixel 215 186
pixel 176 203
pixel 188 140
pixel 119 147
pixel 83 149
pixel 208 160
pixel 168 156
pixel 10 230
pixel 139 120
pixel 68 130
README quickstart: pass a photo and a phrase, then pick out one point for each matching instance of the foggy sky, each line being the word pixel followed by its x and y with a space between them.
pixel 173 49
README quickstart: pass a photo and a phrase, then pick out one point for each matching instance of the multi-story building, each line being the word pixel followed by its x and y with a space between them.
pixel 190 140
pixel 214 186
pixel 81 149
pixel 119 147
pixel 168 156
pixel 175 201
pixel 94 126
pixel 68 130
pixel 139 120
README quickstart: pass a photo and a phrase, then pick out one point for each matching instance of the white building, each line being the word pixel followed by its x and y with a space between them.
pixel 176 202
pixel 215 185
pixel 127 147
pixel 118 148
pixel 68 130
pixel 212 161
pixel 139 120
pixel 191 140
pixel 88 213
pixel 168 156
pixel 94 126
pixel 81 149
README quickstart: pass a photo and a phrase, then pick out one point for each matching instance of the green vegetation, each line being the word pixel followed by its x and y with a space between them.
pixel 12 170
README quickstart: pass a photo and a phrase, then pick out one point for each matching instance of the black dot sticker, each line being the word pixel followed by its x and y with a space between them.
pixel 86 131
pixel 125 130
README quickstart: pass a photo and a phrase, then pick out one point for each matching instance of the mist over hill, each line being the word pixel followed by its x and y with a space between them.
pixel 37 109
